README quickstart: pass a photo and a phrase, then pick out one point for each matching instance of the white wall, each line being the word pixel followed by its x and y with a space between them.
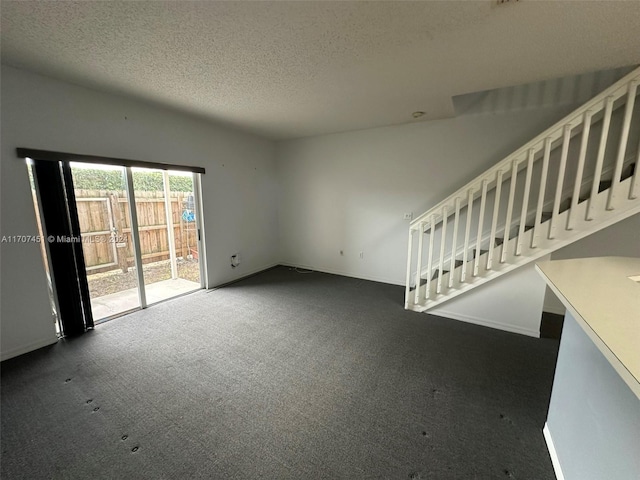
pixel 349 191
pixel 239 187
pixel 621 239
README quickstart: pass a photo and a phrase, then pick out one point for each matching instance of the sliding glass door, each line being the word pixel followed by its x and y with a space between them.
pixel 133 257
pixel 117 234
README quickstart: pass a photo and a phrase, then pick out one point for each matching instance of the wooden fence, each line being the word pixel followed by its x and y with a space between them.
pixel 106 229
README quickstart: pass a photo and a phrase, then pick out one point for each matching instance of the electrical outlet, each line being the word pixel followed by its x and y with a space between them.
pixel 361 255
pixel 408 216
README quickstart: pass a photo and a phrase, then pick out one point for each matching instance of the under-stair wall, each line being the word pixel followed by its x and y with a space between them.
pixel 512 302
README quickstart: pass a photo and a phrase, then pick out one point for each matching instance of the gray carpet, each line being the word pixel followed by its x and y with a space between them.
pixel 282 375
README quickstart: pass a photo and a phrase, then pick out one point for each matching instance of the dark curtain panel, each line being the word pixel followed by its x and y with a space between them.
pixel 61 225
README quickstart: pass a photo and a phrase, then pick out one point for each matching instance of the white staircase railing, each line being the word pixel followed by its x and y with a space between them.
pixel 552 199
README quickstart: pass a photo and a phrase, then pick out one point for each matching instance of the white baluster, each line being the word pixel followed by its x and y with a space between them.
pixel 454 241
pixel 443 239
pixel 483 201
pixel 430 257
pixel 467 232
pixel 494 220
pixel 419 269
pixel 586 126
pixel 606 121
pixel 407 292
pixel 525 201
pixel 543 186
pixel 634 191
pixel 507 222
pixel 622 147
pixel 561 171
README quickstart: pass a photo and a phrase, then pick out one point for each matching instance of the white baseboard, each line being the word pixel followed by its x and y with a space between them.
pixel 344 274
pixel 555 461
pixel 487 323
pixel 244 275
pixel 29 347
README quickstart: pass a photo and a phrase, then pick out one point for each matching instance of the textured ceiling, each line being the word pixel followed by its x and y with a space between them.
pixel 293 69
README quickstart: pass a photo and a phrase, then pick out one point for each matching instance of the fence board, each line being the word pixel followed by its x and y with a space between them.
pixel 95 225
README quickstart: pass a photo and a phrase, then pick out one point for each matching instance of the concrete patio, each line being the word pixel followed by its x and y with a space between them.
pixel 119 302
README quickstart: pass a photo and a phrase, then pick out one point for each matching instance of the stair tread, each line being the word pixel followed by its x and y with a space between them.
pixel 604 184
pixel 565 205
pixel 435 274
pixel 629 171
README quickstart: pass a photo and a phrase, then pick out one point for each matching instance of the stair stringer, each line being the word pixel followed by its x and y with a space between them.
pixel 626 207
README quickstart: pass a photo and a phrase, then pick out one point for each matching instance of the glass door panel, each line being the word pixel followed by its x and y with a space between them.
pixel 105 227
pixel 166 228
pixel 185 231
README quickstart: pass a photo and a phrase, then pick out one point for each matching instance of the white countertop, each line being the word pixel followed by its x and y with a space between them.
pixel 606 304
